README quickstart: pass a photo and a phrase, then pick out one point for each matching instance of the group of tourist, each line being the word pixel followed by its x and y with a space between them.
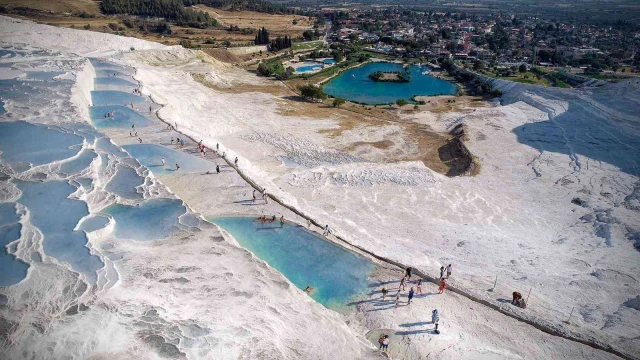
pixel 383 341
pixel 263 194
pixel 263 219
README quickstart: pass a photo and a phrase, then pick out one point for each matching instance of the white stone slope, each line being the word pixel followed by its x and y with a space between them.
pixel 192 295
pixel 554 208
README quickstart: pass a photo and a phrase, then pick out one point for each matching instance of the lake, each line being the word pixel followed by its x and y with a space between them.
pixel 355 84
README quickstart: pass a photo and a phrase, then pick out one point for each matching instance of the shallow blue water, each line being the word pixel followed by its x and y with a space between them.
pixel 150 156
pixel 123 117
pixel 78 164
pixel 114 81
pixel 329 61
pixel 56 216
pixel 21 141
pixel 124 183
pixel 93 223
pixel 336 274
pixel 43 75
pixel 355 85
pixel 151 220
pixel 12 270
pixel 2 109
pixel 113 97
pixel 110 70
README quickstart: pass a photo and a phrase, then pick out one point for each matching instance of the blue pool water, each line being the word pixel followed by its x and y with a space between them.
pixel 37 145
pixel 93 223
pixel 81 162
pixel 329 61
pixel 109 70
pixel 43 75
pixel 113 97
pixel 355 85
pixel 336 274
pixel 114 81
pixel 56 216
pixel 151 220
pixel 150 156
pixel 12 270
pixel 125 182
pixel 308 66
pixel 122 117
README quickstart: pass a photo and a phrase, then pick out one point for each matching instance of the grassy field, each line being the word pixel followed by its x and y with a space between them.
pixel 307 45
pixel 254 19
pixel 56 6
pixel 65 13
pixel 612 77
pixel 525 78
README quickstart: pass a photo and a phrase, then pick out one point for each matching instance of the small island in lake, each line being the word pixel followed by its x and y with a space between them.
pixel 391 76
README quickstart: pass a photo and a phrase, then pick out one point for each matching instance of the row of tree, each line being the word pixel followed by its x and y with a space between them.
pixel 173 10
pixel 280 43
pixel 262 38
pixel 474 84
pixel 237 5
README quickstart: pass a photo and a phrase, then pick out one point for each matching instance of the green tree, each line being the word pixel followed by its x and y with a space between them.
pixel 338 101
pixel 401 102
pixel 337 55
pixel 310 91
pixel 522 68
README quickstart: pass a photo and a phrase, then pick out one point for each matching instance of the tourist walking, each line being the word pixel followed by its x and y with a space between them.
pixel 441 286
pixel 177 167
pixel 254 195
pixel 162 161
pixel 441 272
pixel 326 230
pixel 281 221
pixel 448 270
pixel 410 296
pixel 397 300
pixel 265 197
pixel 407 272
pixel 402 284
pixel 385 343
pixel 419 286
pixel 236 161
pixel 435 319
pixel 384 293
pixel 217 169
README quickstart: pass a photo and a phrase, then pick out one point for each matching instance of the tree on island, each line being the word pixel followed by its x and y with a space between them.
pixel 376 76
pixel 310 91
pixel 338 101
pixel 401 102
pixel 522 68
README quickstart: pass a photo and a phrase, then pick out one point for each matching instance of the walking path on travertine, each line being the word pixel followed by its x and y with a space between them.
pixel 191 188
